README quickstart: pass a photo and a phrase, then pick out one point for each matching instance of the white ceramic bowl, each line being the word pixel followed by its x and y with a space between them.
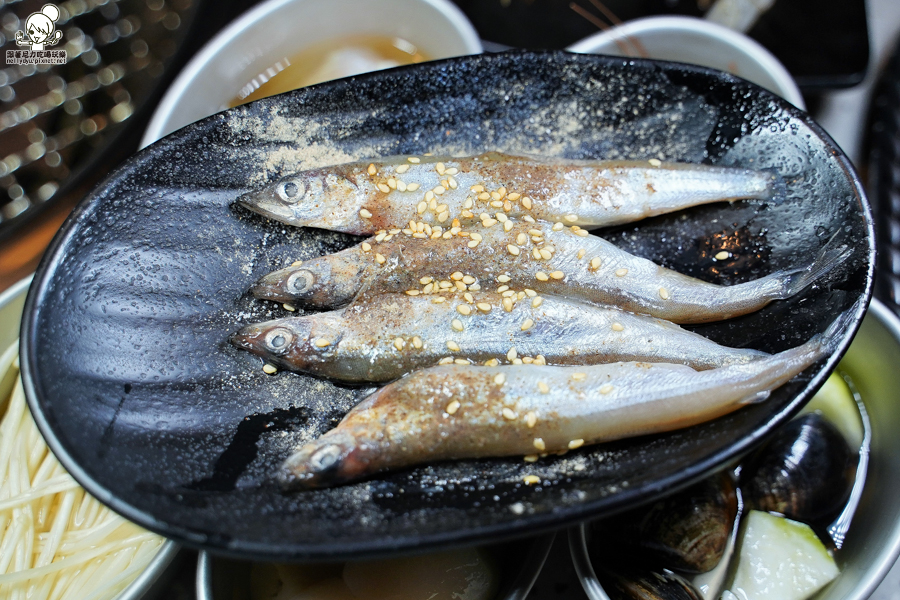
pixel 282 28
pixel 873 540
pixel 698 42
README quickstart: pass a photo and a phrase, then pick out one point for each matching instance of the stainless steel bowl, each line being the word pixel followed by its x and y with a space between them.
pixel 521 563
pixel 152 581
pixel 873 541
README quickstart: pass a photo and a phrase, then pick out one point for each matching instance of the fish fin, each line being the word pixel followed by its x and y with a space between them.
pixel 755 398
pixel 830 256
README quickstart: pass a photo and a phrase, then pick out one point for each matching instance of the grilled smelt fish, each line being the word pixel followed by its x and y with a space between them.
pixel 453 412
pixel 363 197
pixel 382 337
pixel 548 258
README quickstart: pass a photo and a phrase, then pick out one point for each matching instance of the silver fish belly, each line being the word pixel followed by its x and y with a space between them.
pixel 453 412
pixel 383 337
pixel 364 197
pixel 548 258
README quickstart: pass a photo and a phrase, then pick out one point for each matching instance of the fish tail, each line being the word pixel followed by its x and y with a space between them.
pixel 776 189
pixel 834 334
pixel 829 257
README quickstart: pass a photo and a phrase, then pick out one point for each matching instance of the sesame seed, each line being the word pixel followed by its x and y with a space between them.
pixel 412 292
pixel 509 293
pixel 456 276
pixel 460 286
pixel 540 360
pixel 462 361
pixel 503 278
pixel 514 250
pixel 452 171
pixel 399 344
pixel 372 170
pixel 428 288
pixel 536 253
pixel 618 327
pixel 296 263
pixel 621 272
pixel 507 225
pixel 489 222
pixel 421 207
pixel 380 237
pixel 429 197
pixel 456 324
pixel 491 362
pixel 484 307
pixel 576 444
pixel 536 301
pixel 445 285
pixel 322 342
pixel 289 307
pixel 496 196
pixel 380 259
pixel 514 196
pixel 446 360
pixel 269 369
pixel 440 168
pixel 664 293
pixel 411 187
pixel 543 387
pixel 511 354
pixel 365 214
pixel 441 208
pixel 528 324
pixel 521 295
pixel 529 218
pixel 571 218
pixel 535 232
pixel 466 214
pixel 452 407
pixel 464 309
pixel 526 202
pixel 497 204
pixel 392 183
pixel 596 262
pixel 531 479
pixel 384 188
pixel 417 342
pixel 655 162
pixel 530 293
pixel 414 159
pixel 402 169
pixel 502 289
pixel 530 458
pixel 546 254
pixel 501 217
pixel 530 419
pixel 443 216
pixel 477 188
pixel 469 298
pixel 452 183
pixel 541 276
pixel 507 304
pixel 539 444
pixel 425 280
pixel 557 226
pixel 509 414
pixel 579 376
pixel 606 388
pixel 468 279
pixel 484 196
pixel 366 247
pixel 722 255
pixel 472 244
pixel 453 346
pixel 500 379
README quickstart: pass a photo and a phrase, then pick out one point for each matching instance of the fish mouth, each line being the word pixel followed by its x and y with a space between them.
pixel 325 462
pixel 262 204
pixel 272 287
pixel 251 337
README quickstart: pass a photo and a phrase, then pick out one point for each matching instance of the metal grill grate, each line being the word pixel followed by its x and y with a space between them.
pixel 56 119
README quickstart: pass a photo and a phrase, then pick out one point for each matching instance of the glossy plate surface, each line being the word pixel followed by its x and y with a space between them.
pixel 132 379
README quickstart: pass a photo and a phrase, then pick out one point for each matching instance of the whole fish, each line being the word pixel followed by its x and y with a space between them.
pixel 382 337
pixel 364 197
pixel 548 258
pixel 452 412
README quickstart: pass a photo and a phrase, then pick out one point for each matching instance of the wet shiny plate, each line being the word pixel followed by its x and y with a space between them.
pixel 132 379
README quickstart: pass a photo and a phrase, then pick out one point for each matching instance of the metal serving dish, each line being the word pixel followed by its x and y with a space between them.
pixel 151 582
pixel 520 562
pixel 132 379
pixel 873 541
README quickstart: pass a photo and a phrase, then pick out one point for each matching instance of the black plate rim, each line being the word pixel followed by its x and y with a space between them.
pixel 526 526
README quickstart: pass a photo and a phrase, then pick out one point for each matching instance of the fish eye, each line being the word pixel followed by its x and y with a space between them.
pixel 325 458
pixel 300 281
pixel 291 191
pixel 279 339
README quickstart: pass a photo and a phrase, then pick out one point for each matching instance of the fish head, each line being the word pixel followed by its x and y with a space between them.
pixel 333 459
pixel 303 283
pixel 309 199
pixel 294 343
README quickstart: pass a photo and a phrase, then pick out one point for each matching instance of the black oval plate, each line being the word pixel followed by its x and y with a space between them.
pixel 132 380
